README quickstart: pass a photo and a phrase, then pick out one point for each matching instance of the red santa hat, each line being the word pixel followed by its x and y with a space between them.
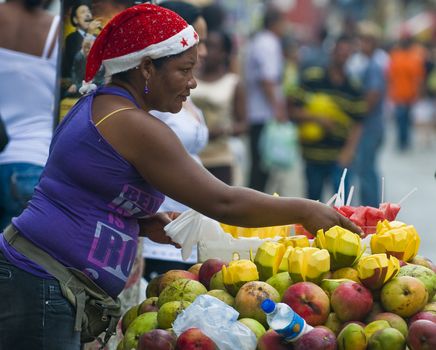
pixel 139 31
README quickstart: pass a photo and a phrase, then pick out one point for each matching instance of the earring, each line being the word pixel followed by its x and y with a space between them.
pixel 146 89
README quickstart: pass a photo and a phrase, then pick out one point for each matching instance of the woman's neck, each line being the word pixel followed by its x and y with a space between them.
pixel 132 91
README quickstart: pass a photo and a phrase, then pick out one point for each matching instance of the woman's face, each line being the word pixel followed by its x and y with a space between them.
pixel 216 54
pixel 171 84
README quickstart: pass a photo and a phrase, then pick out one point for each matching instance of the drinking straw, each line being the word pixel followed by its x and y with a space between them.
pixel 330 201
pixel 340 198
pixel 407 195
pixel 350 195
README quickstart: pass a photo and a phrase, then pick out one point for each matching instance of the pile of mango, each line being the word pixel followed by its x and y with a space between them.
pixel 380 297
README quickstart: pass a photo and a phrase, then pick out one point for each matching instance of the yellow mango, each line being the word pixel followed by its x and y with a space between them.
pixel 238 273
pixel 308 264
pixel 397 239
pixel 268 258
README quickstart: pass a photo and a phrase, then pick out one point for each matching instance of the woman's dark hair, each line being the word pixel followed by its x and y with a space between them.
pixel 271 16
pixel 188 12
pixel 215 15
pixel 30 4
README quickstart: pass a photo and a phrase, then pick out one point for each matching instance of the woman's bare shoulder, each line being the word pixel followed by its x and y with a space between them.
pixel 23 31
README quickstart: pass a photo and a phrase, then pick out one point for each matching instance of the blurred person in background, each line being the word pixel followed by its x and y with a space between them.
pixel 79 65
pixel 190 127
pixel 28 60
pixel 221 97
pixel 424 110
pixel 4 138
pixel 104 10
pixel 80 18
pixel 372 78
pixel 328 109
pixel 292 59
pixel 214 15
pixel 263 72
pixel 405 78
pixel 315 51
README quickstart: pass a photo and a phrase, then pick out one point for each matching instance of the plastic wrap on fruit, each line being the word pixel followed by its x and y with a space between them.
pixel 308 264
pixel 239 272
pixel 344 246
pixel 218 321
pixel 396 238
pixel 377 269
pixel 268 258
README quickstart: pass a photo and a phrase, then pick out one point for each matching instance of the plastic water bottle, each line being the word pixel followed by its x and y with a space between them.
pixel 282 319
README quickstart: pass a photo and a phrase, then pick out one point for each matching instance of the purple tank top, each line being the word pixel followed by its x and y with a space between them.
pixel 85 208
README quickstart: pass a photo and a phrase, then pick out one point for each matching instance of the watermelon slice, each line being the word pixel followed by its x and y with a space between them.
pixel 359 216
pixel 390 210
pixel 346 210
pixel 368 217
pixel 373 216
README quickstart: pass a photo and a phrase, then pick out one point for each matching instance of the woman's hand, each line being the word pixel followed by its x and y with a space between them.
pixel 152 227
pixel 319 215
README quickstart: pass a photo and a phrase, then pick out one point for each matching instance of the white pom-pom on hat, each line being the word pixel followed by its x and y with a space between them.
pixel 87 87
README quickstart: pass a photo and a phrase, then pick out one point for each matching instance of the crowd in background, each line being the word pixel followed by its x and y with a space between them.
pixel 339 91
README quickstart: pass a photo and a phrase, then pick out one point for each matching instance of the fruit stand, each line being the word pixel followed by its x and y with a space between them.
pixel 372 291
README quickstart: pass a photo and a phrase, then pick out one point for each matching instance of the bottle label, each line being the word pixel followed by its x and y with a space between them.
pixel 293 329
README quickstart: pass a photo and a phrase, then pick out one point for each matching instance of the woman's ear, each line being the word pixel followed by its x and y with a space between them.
pixel 146 67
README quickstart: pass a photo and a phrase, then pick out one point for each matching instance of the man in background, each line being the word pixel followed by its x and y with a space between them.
pixel 263 76
pixel 372 79
pixel 405 77
pixel 328 108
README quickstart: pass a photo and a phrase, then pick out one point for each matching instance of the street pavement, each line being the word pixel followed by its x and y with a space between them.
pixel 402 173
pixel 414 169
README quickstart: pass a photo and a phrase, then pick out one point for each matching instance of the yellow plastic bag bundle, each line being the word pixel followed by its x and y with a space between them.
pixel 259 232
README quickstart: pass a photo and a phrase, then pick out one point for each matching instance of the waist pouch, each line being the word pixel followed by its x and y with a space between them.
pixel 97 313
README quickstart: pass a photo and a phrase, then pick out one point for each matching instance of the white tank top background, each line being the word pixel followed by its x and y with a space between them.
pixel 190 127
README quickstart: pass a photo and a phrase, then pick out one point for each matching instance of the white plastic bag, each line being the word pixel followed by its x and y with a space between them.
pixel 192 227
pixel 187 229
pixel 218 321
pixel 278 145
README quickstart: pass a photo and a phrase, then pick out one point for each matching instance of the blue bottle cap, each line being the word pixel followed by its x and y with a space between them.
pixel 268 306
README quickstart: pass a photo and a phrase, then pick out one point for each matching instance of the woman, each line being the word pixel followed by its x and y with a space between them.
pixel 220 95
pixel 109 165
pixel 28 59
pixel 81 19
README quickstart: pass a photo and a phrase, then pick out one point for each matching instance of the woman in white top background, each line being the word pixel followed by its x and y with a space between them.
pixel 28 61
pixel 220 95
